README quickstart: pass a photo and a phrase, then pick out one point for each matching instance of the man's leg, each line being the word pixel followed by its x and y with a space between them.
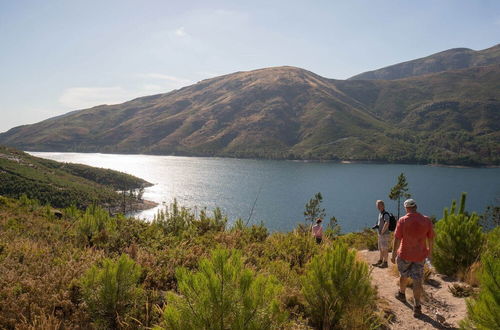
pixel 384 250
pixel 417 291
pixel 379 262
pixel 403 282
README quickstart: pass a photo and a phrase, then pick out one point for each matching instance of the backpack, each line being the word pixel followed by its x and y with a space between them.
pixel 392 221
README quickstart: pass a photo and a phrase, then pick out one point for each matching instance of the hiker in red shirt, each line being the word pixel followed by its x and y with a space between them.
pixel 413 241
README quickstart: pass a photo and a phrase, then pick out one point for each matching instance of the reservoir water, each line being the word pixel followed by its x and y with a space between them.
pixel 280 189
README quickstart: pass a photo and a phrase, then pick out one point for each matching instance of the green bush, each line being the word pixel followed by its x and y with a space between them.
pixel 337 290
pixel 484 311
pixel 459 240
pixel 223 295
pixel 111 290
pixel 95 226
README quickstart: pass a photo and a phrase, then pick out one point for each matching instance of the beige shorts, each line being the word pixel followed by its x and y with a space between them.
pixel 383 241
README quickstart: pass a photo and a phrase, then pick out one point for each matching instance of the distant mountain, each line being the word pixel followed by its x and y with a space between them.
pixel 289 113
pixel 452 59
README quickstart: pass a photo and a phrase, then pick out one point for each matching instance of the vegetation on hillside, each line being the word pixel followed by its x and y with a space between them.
pixel 66 271
pixel 89 269
pixel 63 184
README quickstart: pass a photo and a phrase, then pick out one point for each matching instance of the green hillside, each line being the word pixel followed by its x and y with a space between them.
pixel 63 184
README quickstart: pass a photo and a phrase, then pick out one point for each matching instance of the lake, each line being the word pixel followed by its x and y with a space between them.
pixel 280 189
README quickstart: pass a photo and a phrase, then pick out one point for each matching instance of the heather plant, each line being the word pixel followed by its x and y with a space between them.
pixel 294 248
pixel 459 240
pixel 223 294
pixel 111 289
pixel 364 240
pixel 337 290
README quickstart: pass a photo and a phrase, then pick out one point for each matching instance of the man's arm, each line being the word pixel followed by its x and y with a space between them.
pixel 395 248
pixel 386 226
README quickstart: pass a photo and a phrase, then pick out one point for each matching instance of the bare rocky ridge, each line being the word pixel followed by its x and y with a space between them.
pixel 452 59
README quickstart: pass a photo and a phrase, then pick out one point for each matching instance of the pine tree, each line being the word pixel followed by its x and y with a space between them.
pixel 313 209
pixel 483 312
pixel 223 295
pixel 337 290
pixel 111 290
pixel 400 190
pixel 459 240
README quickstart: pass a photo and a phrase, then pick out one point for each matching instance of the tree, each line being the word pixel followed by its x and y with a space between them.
pixel 223 294
pixel 337 289
pixel 111 290
pixel 313 209
pixel 459 240
pixel 400 190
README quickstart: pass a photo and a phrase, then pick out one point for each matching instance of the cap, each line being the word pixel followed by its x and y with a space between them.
pixel 410 203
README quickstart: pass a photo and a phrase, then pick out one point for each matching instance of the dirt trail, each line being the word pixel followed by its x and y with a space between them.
pixel 438 302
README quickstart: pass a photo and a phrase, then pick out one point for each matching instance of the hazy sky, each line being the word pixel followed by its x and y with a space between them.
pixel 57 56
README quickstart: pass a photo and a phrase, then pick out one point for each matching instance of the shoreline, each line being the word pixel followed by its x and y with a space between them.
pixel 336 161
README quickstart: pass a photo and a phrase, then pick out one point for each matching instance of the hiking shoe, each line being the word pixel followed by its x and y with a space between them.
pixel 383 265
pixel 417 311
pixel 377 264
pixel 400 296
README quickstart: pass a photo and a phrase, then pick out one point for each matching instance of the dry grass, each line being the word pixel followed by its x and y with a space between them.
pixel 471 276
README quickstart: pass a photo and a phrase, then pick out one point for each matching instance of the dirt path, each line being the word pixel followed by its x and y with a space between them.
pixel 441 310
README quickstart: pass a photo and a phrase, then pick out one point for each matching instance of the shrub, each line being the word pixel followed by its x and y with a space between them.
pixel 176 219
pixel 95 226
pixel 111 290
pixel 223 295
pixel 205 223
pixel 365 240
pixel 459 240
pixel 337 289
pixel 295 248
pixel 484 311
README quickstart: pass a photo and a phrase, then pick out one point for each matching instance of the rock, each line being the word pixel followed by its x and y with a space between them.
pixel 440 318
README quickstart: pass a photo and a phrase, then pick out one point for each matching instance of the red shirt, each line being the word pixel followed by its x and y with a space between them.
pixel 413 229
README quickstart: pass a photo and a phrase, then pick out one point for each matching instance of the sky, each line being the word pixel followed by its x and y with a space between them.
pixel 59 56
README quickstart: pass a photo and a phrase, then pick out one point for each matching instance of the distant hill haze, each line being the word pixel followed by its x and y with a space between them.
pixel 452 59
pixel 451 117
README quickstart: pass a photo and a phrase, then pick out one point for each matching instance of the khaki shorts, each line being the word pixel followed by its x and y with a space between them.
pixel 415 270
pixel 383 242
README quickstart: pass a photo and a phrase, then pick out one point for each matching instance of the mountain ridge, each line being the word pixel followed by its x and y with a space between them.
pixel 451 59
pixel 287 112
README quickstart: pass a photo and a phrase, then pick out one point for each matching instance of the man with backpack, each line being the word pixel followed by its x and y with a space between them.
pixel 383 226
